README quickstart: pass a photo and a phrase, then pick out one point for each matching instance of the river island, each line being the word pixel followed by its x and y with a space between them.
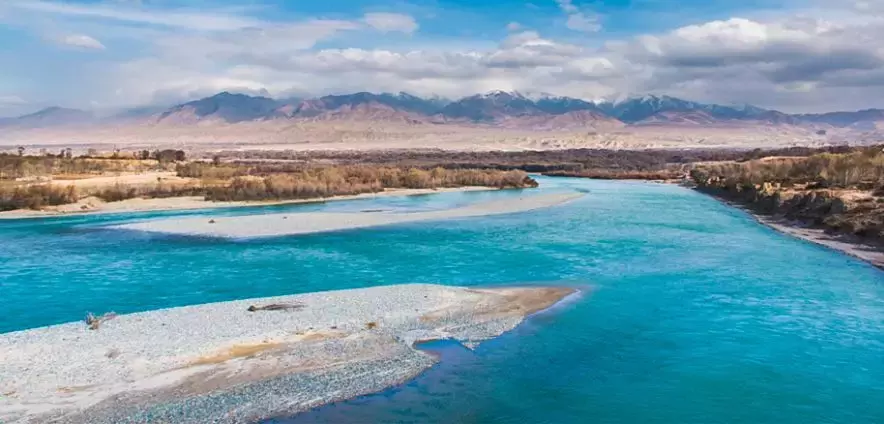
pixel 247 360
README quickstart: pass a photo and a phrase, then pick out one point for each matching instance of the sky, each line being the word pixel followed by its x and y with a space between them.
pixel 106 55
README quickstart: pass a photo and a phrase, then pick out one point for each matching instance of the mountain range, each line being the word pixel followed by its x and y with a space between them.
pixel 496 108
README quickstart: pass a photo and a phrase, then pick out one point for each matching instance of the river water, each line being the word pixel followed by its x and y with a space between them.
pixel 691 313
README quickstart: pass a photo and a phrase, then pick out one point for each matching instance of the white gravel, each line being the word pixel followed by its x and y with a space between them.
pixel 221 363
pixel 269 225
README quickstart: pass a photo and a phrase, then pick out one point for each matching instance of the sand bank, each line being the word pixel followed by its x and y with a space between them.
pixel 223 363
pixel 270 225
pixel 92 205
pixel 849 245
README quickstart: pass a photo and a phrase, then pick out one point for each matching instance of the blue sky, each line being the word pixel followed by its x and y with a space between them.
pixel 106 55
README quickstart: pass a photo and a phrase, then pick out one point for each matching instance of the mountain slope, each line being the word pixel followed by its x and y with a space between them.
pixel 578 120
pixel 142 114
pixel 51 117
pixel 224 107
pixel 861 119
pixel 349 102
pixel 490 107
pixel 557 105
pixel 636 109
pixel 367 112
pixel 689 118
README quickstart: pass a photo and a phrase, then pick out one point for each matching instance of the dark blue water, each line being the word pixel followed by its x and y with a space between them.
pixel 697 313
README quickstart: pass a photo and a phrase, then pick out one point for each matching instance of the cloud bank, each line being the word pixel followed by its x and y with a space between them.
pixel 818 58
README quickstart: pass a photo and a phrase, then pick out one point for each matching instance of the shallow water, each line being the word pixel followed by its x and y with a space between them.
pixel 696 314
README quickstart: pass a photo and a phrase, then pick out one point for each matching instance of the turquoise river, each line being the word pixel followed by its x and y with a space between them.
pixel 692 313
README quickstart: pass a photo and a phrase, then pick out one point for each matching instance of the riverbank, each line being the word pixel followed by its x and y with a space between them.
pixel 844 243
pixel 852 246
pixel 280 224
pixel 94 205
pixel 246 360
pixel 835 199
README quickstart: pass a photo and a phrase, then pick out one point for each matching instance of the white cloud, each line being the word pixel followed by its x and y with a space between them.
pixel 523 38
pixel 825 58
pixel 804 62
pixel 867 6
pixel 788 50
pixel 579 20
pixel 10 100
pixel 583 23
pixel 188 19
pixel 529 50
pixel 82 41
pixel 267 42
pixel 567 6
pixel 391 22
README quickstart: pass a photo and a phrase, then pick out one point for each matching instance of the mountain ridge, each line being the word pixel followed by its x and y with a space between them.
pixel 496 108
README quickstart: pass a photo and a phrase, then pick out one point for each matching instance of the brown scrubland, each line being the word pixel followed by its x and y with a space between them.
pixel 30 182
pixel 348 180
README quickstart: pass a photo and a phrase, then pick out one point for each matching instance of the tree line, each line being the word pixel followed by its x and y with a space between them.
pixel 232 183
pixel 27 166
pixel 349 180
pixel 859 168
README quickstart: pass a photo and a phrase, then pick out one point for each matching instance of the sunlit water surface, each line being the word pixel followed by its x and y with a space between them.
pixel 693 313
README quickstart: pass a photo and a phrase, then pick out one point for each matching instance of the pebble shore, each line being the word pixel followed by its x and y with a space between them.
pixel 222 363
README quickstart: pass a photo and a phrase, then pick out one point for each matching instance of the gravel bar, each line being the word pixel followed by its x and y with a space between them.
pixel 281 224
pixel 247 360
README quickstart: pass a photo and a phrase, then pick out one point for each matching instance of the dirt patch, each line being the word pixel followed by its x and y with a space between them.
pixel 130 179
pixel 530 300
pixel 237 351
pixel 75 389
pixel 509 301
pixel 249 350
pixel 322 336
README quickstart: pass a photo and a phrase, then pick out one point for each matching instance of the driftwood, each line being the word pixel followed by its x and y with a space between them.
pixel 94 322
pixel 277 307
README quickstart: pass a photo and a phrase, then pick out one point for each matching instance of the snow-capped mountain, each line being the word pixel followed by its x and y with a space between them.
pixel 490 106
pixel 505 108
